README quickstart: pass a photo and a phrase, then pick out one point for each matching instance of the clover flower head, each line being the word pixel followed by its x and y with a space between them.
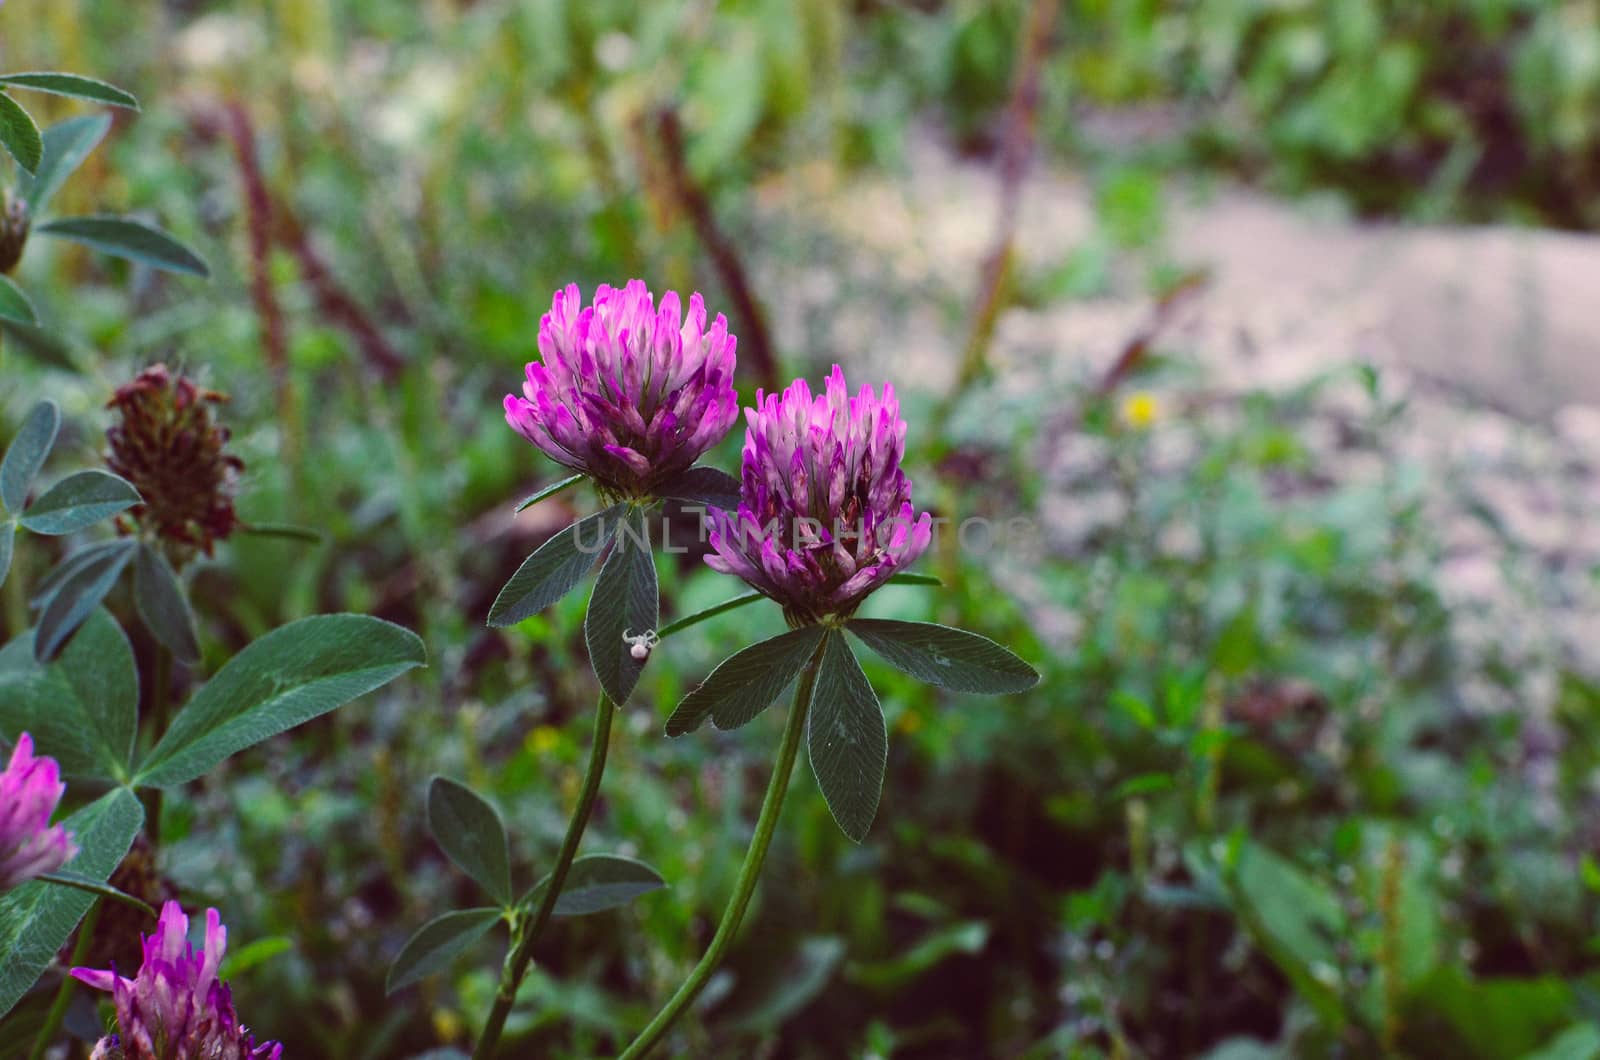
pixel 825 513
pixel 168 445
pixel 30 789
pixel 627 393
pixel 176 1008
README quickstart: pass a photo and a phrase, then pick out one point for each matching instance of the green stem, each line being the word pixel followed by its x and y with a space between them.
pixel 526 931
pixel 58 1008
pixel 711 612
pixel 16 601
pixel 766 824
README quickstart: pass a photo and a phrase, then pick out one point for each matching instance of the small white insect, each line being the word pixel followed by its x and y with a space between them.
pixel 641 644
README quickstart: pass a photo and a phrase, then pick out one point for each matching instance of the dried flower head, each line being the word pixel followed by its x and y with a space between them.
pixel 14 225
pixel 627 393
pixel 30 789
pixel 177 1008
pixel 167 444
pixel 825 513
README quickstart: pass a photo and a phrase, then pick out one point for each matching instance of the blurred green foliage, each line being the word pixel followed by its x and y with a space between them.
pixel 1476 108
pixel 1464 108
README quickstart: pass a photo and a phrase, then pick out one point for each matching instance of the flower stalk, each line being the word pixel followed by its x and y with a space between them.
pixel 526 929
pixel 63 998
pixel 744 887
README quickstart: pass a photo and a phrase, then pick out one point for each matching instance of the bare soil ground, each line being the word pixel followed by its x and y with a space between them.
pixel 1491 334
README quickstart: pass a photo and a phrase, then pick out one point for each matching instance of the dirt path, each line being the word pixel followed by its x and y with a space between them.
pixel 1511 316
pixel 1492 335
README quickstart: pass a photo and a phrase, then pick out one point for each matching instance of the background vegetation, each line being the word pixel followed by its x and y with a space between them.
pixel 1256 808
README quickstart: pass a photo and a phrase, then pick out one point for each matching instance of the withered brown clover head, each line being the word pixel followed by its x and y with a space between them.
pixel 167 443
pixel 14 223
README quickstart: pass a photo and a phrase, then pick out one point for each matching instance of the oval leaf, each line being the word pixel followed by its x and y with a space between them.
pixel 597 882
pixel 83 709
pixel 846 739
pixel 291 675
pixel 27 454
pixel 703 485
pixel 79 500
pixel 625 605
pixel 253 953
pixel 37 918
pixel 471 833
pixel 124 237
pixel 437 943
pixel 14 303
pixel 66 145
pixel 78 596
pixel 555 569
pixel 949 658
pixel 969 936
pixel 53 581
pixel 159 597
pixel 762 1001
pixel 74 85
pixel 746 683
pixel 546 493
pixel 19 135
pixel 38 343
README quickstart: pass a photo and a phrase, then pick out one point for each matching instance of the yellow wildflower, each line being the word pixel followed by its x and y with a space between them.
pixel 1140 409
pixel 543 740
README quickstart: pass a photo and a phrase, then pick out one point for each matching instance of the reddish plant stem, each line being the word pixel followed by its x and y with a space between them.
pixel 271 218
pixel 232 122
pixel 333 301
pixel 1016 156
pixel 1137 348
pixel 755 341
pixel 237 127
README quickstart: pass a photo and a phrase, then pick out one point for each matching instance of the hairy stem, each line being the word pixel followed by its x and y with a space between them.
pixel 766 824
pixel 527 929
